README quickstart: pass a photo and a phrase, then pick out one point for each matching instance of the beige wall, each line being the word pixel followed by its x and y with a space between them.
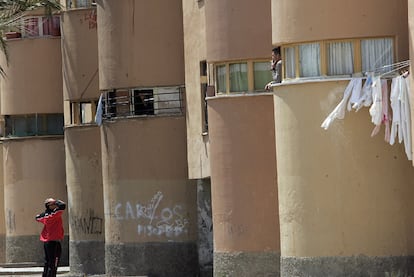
pixel 195 52
pixel 146 185
pixel 341 191
pixel 243 174
pixel 34 169
pixel 34 77
pixel 80 55
pixel 140 43
pixel 299 21
pixel 84 179
pixel 238 29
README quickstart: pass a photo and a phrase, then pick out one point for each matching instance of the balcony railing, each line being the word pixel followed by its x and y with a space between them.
pixel 160 101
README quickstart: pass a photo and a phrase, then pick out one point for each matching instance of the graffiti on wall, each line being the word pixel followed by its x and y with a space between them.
pixel 152 220
pixel 89 223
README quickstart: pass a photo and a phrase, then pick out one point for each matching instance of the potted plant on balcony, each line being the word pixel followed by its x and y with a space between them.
pixel 11 35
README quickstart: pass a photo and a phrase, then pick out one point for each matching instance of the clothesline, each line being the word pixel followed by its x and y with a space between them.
pixel 375 95
pixel 388 69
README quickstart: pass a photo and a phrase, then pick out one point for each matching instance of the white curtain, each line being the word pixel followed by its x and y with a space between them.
pixel 376 53
pixel 238 77
pixel 309 60
pixel 290 62
pixel 221 78
pixel 340 58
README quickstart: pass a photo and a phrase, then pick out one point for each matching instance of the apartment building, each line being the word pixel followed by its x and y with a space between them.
pixel 175 161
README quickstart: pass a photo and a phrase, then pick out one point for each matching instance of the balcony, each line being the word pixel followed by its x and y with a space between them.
pixel 132 102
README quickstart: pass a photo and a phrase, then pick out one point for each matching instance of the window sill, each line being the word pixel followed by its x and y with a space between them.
pixel 32 137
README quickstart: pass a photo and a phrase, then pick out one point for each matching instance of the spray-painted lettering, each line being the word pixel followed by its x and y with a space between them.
pixel 152 221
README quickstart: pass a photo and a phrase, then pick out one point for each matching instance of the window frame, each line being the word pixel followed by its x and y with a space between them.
pixel 41 20
pixel 357 60
pixel 32 126
pixel 250 75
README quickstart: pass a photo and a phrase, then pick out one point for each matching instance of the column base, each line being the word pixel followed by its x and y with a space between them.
pixel 347 266
pixel 22 249
pixel 239 264
pixel 172 259
pixel 87 257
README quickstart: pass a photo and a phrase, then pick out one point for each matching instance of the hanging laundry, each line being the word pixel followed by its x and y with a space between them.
pixel 374 94
pixel 376 108
pixel 365 99
pixel 385 116
pixel 401 121
pixel 356 93
pixel 339 111
pixel 396 110
pixel 406 116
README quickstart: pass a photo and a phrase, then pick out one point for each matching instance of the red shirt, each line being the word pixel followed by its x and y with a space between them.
pixel 53 225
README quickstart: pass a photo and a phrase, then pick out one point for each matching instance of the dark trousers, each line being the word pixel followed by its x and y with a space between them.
pixel 53 250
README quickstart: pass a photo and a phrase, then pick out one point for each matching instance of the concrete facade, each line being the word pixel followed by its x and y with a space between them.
pixel 230 182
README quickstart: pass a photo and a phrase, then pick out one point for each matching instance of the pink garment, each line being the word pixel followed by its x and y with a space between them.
pixel 385 115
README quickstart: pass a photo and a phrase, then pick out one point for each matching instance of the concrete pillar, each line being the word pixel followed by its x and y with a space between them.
pixel 150 205
pixel 82 141
pixel 244 189
pixel 345 197
pixel 85 194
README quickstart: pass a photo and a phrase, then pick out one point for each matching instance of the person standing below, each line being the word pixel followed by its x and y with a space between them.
pixel 52 234
pixel 276 68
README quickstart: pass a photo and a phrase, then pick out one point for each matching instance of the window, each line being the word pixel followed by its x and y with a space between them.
pixel 36 26
pixel 238 77
pixel 309 60
pixel 79 3
pixel 203 89
pixel 221 78
pixel 34 125
pixel 337 57
pixel 83 112
pixel 262 74
pixel 290 62
pixel 376 53
pixel 340 58
pixel 142 101
pixel 51 26
pixel 31 27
